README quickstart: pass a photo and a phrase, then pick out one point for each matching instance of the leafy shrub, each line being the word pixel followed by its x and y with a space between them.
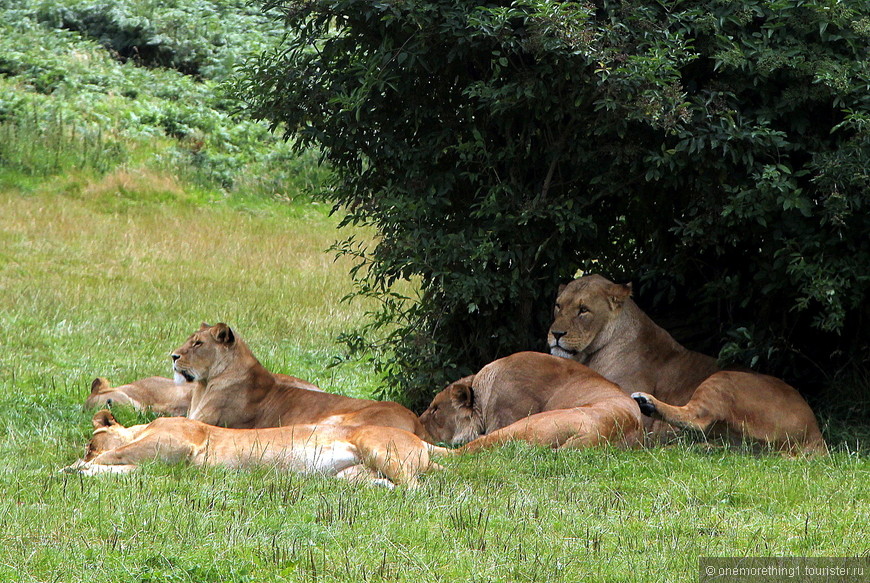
pixel 197 37
pixel 713 151
pixel 58 88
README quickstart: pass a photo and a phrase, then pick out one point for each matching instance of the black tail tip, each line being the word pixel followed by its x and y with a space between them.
pixel 646 406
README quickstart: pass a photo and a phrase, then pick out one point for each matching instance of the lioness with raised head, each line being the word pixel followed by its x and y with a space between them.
pixel 232 389
pixel 598 324
pixel 534 397
pixel 157 394
pixel 347 452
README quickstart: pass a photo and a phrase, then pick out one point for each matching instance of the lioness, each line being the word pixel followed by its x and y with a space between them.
pixel 161 395
pixel 597 323
pixel 533 397
pixel 232 389
pixel 158 394
pixel 348 452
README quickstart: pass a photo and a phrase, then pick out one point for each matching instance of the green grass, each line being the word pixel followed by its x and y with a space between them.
pixel 133 206
pixel 88 291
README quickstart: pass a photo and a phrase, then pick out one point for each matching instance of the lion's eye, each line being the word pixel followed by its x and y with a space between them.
pixel 582 310
pixel 197 343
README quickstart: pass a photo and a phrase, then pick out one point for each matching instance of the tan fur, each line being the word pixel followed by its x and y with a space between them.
pixel 348 452
pixel 161 395
pixel 157 394
pixel 597 323
pixel 534 397
pixel 234 390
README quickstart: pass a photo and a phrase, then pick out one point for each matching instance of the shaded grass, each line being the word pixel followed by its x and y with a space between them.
pixel 88 291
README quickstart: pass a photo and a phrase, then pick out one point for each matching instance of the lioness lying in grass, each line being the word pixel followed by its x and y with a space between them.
pixel 161 395
pixel 597 323
pixel 533 397
pixel 347 452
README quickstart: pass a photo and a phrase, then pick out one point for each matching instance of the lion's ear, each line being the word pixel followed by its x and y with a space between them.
pixel 617 293
pixel 462 393
pixel 103 418
pixel 562 287
pixel 223 334
pixel 99 384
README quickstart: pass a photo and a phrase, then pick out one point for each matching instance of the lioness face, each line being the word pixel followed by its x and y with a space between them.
pixel 195 360
pixel 450 416
pixel 583 310
pixel 108 434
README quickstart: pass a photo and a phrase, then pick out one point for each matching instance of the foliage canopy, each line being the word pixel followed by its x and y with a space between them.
pixel 716 152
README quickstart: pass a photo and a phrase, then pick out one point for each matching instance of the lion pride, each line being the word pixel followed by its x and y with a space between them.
pixel 533 397
pixel 234 390
pixel 598 324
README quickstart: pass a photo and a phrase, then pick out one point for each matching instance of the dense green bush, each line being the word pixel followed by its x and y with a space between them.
pixel 200 37
pixel 715 152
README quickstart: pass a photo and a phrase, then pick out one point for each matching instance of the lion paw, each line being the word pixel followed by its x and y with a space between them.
pixel 646 405
pixel 383 483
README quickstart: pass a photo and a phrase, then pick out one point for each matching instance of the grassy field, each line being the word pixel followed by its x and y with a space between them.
pixel 86 291
pixel 135 204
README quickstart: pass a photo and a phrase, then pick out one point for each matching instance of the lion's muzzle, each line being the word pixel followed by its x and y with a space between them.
pixel 556 349
pixel 184 374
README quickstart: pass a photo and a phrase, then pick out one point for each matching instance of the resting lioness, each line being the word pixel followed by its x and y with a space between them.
pixel 157 394
pixel 597 323
pixel 327 449
pixel 234 390
pixel 161 395
pixel 533 397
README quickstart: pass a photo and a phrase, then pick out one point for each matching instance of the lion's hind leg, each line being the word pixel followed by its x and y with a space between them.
pixel 582 440
pixel 399 455
pixel 362 474
pixel 695 415
pixel 744 408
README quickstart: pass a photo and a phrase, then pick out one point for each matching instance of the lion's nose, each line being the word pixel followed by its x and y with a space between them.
pixel 557 335
pixel 175 357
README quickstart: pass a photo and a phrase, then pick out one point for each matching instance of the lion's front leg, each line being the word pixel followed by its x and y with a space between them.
pixel 155 446
pixel 92 469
